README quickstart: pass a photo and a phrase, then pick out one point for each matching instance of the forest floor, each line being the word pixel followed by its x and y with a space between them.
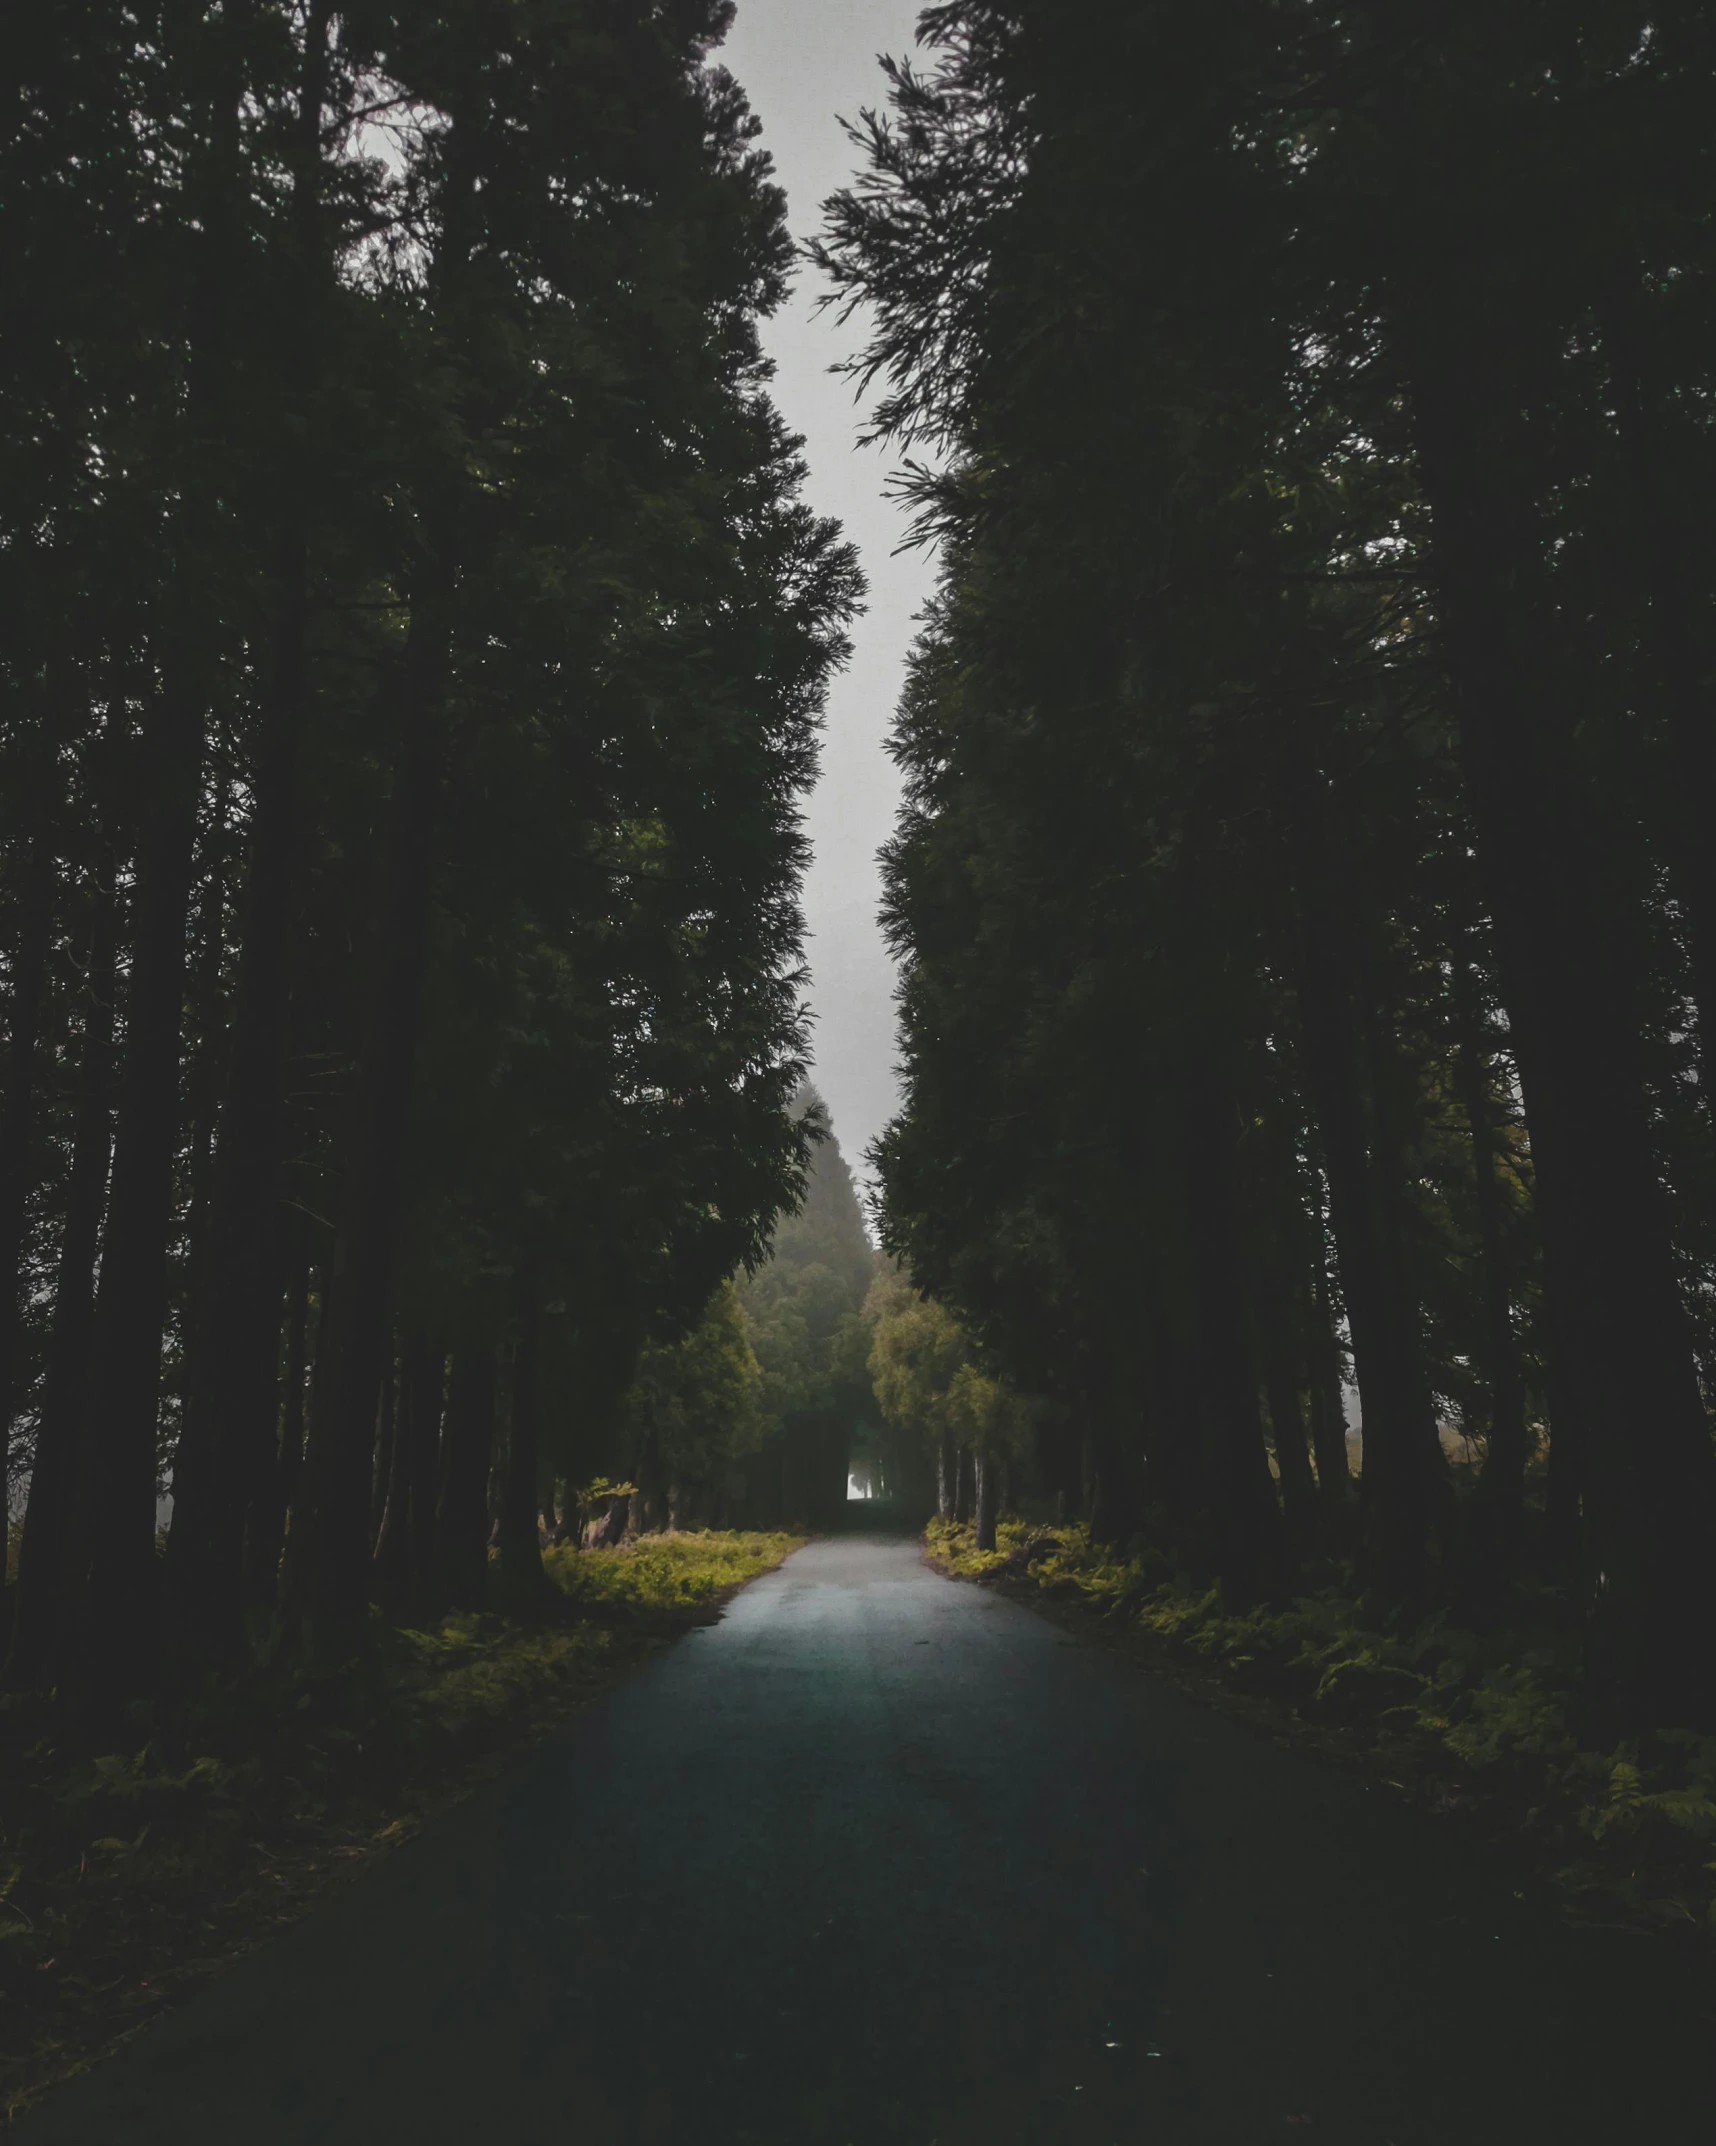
pixel 1472 1728
pixel 128 1876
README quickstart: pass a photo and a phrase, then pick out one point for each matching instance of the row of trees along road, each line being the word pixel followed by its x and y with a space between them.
pixel 414 650
pixel 1305 882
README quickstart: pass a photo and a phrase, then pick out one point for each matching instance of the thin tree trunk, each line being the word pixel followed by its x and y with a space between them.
pixel 1328 1410
pixel 266 1528
pixel 429 1398
pixel 18 1120
pixel 203 1053
pixel 384 1439
pixel 946 1475
pixel 462 1507
pixel 1501 1487
pixel 518 1542
pixel 408 1525
pixel 44 1578
pixel 987 1470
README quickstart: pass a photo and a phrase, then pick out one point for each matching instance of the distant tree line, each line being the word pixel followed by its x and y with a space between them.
pixel 414 648
pixel 1305 883
pixel 757 1417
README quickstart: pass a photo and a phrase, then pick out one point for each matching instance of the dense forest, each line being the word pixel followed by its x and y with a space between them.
pixel 1305 887
pixel 414 654
pixel 433 1286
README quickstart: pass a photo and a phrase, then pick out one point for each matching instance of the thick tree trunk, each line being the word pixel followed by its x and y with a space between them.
pixel 44 1552
pixel 1649 1471
pixel 462 1507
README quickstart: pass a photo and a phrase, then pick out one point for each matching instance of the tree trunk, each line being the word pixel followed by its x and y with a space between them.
pixel 328 1550
pixel 18 1121
pixel 113 1646
pixel 1328 1409
pixel 1501 1487
pixel 203 1047
pixel 988 1471
pixel 1673 597
pixel 946 1476
pixel 384 1438
pixel 1649 1471
pixel 1398 1428
pixel 520 1544
pixel 266 1528
pixel 227 1443
pixel 44 1552
pixel 1247 1517
pixel 1299 1500
pixel 405 1542
pixel 462 1507
pixel 962 1487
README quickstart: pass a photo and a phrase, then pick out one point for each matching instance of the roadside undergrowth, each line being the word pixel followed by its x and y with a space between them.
pixel 1472 1726
pixel 128 1875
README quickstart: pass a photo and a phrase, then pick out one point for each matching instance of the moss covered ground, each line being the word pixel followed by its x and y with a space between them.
pixel 128 1874
pixel 1474 1727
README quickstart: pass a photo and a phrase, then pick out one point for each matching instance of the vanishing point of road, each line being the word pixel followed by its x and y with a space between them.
pixel 881 1859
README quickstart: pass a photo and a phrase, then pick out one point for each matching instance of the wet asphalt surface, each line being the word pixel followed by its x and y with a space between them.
pixel 885 1860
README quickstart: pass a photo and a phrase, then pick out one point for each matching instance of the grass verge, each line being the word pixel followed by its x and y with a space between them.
pixel 1473 1727
pixel 127 1876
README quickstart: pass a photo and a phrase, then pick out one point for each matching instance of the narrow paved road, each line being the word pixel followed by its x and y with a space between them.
pixel 883 1860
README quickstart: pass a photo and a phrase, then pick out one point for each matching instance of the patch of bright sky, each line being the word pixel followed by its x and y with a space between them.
pixel 805 64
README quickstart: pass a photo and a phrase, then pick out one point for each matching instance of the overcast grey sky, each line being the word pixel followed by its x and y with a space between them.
pixel 802 62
